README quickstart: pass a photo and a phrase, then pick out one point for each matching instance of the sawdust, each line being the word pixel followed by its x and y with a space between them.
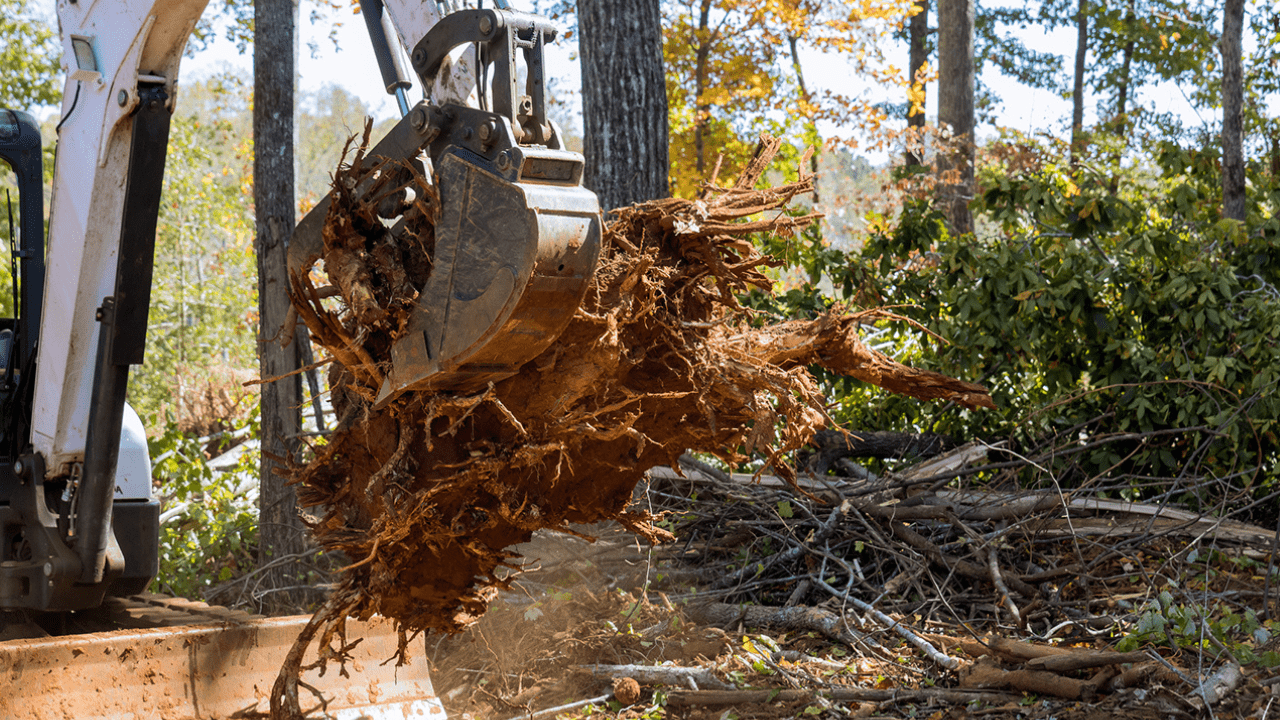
pixel 427 494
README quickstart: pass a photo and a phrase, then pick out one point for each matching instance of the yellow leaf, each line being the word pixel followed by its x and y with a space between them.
pixel 916 96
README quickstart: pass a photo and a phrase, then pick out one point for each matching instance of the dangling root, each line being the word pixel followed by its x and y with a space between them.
pixel 328 621
pixel 426 494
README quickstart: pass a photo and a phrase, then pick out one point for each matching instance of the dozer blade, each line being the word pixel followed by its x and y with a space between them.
pixel 513 260
pixel 222 666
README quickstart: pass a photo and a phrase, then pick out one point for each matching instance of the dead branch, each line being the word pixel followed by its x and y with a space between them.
pixel 686 698
pixel 985 674
pixel 695 677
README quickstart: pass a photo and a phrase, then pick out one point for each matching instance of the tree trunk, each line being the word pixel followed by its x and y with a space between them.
pixel 275 41
pixel 1077 87
pixel 811 125
pixel 955 110
pixel 919 32
pixel 1232 111
pixel 1121 121
pixel 1275 156
pixel 624 101
pixel 702 57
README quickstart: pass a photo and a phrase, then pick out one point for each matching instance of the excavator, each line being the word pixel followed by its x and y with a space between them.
pixel 79 523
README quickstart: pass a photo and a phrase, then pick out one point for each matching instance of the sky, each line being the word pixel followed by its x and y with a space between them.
pixel 351 65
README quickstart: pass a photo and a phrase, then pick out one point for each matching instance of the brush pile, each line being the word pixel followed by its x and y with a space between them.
pixel 427 494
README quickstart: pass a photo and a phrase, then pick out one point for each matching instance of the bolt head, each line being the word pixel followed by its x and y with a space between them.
pixel 504 161
pixel 48 569
pixel 486 25
pixel 122 98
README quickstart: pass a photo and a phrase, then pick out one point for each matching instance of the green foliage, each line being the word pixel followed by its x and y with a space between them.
pixel 1129 335
pixel 1189 626
pixel 8 237
pixel 1103 317
pixel 209 534
pixel 203 317
pixel 29 54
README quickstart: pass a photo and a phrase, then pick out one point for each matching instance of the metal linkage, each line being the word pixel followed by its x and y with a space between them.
pixel 122 333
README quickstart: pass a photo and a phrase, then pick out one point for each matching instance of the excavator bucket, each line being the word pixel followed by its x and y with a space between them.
pixel 517 238
pixel 512 263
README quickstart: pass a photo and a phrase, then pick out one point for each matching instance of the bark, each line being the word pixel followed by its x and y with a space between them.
pixel 804 92
pixel 797 618
pixel 832 445
pixel 986 675
pixel 624 98
pixel 955 110
pixel 918 30
pixel 1232 111
pixel 280 529
pixel 1121 122
pixel 1077 89
pixel 1275 156
pixel 702 56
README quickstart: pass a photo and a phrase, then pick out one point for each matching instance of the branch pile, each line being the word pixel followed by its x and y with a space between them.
pixel 426 494
pixel 924 557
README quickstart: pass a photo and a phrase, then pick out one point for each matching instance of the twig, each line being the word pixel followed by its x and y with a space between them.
pixel 291 373
pixel 789 554
pixel 551 712
pixel 998 580
pixel 924 646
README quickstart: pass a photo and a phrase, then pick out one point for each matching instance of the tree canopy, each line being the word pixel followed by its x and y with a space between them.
pixel 29 54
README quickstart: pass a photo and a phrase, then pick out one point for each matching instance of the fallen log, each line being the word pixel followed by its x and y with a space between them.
pixel 695 677
pixel 686 698
pixel 1084 659
pixel 814 619
pixel 987 675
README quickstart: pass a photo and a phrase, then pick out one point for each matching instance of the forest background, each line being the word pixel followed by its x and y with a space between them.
pixel 1126 329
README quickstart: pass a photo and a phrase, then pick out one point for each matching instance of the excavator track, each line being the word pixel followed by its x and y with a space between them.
pixel 152 656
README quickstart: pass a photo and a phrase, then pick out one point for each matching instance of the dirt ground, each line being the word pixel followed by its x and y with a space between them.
pixel 582 606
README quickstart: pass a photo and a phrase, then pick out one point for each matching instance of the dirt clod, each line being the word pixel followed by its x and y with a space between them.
pixel 626 691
